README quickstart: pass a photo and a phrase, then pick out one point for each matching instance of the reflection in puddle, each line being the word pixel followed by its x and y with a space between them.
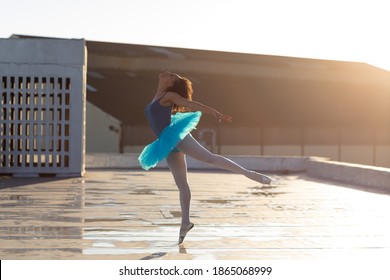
pixel 93 220
pixel 103 204
pixel 122 243
pixel 182 249
pixel 217 201
pixel 265 191
pixel 39 252
pixel 124 251
pixel 95 182
pixel 40 232
pixel 16 200
pixel 267 194
pixel 154 256
pixel 142 191
pixel 103 245
pixel 291 207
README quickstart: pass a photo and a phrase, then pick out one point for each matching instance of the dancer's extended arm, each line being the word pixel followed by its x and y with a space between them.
pixel 176 99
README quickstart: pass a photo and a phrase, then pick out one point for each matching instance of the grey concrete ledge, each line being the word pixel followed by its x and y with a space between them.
pixel 267 164
pixel 42 51
pixel 356 174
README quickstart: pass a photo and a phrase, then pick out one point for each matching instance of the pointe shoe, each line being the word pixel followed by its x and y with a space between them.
pixel 183 232
pixel 261 178
pixel 266 180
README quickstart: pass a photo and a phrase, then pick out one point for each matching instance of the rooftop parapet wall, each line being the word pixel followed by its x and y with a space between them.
pixel 268 164
pixel 356 174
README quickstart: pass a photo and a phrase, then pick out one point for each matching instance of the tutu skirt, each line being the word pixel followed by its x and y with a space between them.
pixel 180 126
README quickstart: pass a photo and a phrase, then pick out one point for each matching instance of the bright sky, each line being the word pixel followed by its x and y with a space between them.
pixel 351 30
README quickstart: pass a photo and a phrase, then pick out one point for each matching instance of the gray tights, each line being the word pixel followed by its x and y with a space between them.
pixel 178 166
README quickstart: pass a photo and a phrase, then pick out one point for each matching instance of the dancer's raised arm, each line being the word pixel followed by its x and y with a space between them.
pixel 176 99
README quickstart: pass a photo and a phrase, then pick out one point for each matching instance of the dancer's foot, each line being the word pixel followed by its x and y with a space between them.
pixel 258 177
pixel 184 231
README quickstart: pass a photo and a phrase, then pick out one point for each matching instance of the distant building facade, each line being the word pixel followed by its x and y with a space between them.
pixel 280 105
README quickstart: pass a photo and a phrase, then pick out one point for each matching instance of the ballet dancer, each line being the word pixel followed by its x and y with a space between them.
pixel 172 115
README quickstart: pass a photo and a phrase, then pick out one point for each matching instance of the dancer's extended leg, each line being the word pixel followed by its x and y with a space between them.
pixel 192 148
pixel 178 166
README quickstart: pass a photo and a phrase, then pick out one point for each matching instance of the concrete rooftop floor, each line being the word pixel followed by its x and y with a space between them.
pixel 133 214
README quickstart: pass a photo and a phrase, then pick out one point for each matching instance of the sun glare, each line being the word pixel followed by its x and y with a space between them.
pixel 349 30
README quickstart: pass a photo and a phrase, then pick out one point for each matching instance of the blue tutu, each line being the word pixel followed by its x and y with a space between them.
pixel 180 126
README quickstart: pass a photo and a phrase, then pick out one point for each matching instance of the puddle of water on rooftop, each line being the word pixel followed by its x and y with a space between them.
pixel 154 256
pixel 103 245
pixel 119 178
pixel 13 252
pixel 267 193
pixel 103 204
pixel 92 220
pixel 118 251
pixel 134 175
pixel 290 208
pixel 95 182
pixel 217 201
pixel 16 200
pixel 143 191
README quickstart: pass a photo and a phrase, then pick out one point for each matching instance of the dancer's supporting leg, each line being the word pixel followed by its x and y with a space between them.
pixel 192 148
pixel 178 166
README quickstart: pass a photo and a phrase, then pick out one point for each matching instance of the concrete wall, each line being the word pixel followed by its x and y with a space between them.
pixel 269 164
pixel 360 154
pixel 354 174
pixel 102 130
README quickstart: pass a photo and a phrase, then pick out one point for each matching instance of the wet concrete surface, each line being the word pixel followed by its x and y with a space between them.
pixel 132 214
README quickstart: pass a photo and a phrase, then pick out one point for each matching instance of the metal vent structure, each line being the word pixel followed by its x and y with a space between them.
pixel 42 96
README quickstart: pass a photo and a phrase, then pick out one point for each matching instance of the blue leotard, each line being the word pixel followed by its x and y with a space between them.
pixel 158 116
pixel 170 130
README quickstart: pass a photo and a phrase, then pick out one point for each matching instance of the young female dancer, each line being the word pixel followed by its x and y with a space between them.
pixel 172 115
